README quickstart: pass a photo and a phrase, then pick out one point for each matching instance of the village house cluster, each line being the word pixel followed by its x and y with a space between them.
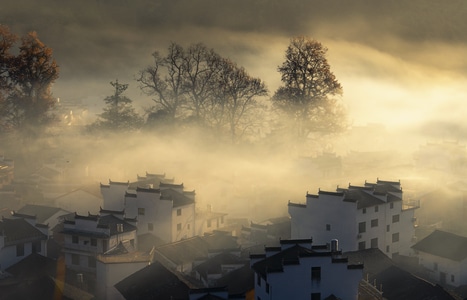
pixel 150 240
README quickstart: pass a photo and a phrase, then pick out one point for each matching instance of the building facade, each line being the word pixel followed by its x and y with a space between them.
pixel 360 217
pixel 299 270
pixel 87 236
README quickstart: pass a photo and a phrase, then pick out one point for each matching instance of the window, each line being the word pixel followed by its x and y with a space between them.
pixel 36 247
pixel 395 218
pixel 374 223
pixel 20 250
pixel 150 227
pixel 391 205
pixel 452 278
pixel 315 296
pixel 222 220
pixel 75 239
pixel 315 273
pixel 179 226
pixel 267 288
pixel 364 210
pixel 376 208
pixel 91 262
pixel 388 228
pixel 328 227
pixel 395 237
pixel 258 279
pixel 94 242
pixel 208 223
pixel 75 259
pixel 374 243
pixel 132 242
pixel 179 212
pixel 387 249
pixel 141 211
pixel 361 227
pixel 361 246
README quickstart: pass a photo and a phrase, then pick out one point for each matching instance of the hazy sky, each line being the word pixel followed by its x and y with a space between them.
pixel 401 63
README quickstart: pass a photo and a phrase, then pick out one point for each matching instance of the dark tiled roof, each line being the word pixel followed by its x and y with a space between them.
pixel 111 221
pixel 190 249
pixel 444 244
pixel 396 283
pixel 214 264
pixel 239 281
pixel 108 221
pixel 41 212
pixel 289 256
pixel 177 198
pixel 170 185
pixel 17 230
pixel 153 282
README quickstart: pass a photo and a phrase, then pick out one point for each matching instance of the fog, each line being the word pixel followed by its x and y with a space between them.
pixel 402 67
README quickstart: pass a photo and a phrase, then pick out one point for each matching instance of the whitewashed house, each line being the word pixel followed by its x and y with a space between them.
pixel 167 212
pixel 112 268
pixel 19 237
pixel 299 270
pixel 444 255
pixel 360 217
pixel 87 236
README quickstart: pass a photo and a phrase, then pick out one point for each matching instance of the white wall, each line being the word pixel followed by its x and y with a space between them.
pixel 109 274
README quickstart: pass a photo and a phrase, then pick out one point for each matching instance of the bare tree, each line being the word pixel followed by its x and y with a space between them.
pixel 236 101
pixel 164 80
pixel 308 87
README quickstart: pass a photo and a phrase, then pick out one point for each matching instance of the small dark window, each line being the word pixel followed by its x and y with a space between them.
pixel 391 205
pixel 141 211
pixel 395 218
pixel 208 224
pixel 315 273
pixel 75 259
pixel 328 227
pixel 94 242
pixel 267 288
pixel 374 223
pixel 258 279
pixel 20 250
pixel 395 237
pixel 361 227
pixel 376 208
pixel 364 210
pixel 179 212
pixel 361 246
pixel 91 262
pixel 388 228
pixel 452 278
pixel 150 227
pixel 374 243
pixel 74 239
pixel 36 247
pixel 387 249
pixel 179 226
pixel 315 296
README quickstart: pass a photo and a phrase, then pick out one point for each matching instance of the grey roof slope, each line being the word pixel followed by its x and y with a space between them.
pixel 16 230
pixel 108 221
pixel 178 199
pixel 41 212
pixel 444 244
pixel 188 250
pixel 153 282
pixel 397 284
pixel 214 264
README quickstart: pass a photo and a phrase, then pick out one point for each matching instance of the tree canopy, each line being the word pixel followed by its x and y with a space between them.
pixel 198 85
pixel 309 88
pixel 119 114
pixel 25 82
